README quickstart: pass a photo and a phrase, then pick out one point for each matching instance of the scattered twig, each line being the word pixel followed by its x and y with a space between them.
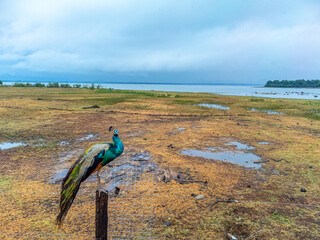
pixel 282 159
pixel 275 160
pixel 240 124
pixel 223 200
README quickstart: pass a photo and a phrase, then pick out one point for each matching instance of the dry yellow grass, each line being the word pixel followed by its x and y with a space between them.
pixel 148 121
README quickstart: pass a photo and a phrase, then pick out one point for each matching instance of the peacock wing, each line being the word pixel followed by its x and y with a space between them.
pixel 78 172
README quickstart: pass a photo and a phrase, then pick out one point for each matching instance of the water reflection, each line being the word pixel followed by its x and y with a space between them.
pixel 239 158
pixel 266 111
pixel 8 145
pixel 217 106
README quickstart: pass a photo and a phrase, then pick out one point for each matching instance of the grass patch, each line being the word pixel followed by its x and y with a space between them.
pixel 257 99
pixel 185 102
pixel 107 101
pixel 276 216
pixel 139 93
pixel 271 106
pixel 5 183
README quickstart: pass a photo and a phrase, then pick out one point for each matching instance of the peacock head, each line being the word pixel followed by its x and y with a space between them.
pixel 116 133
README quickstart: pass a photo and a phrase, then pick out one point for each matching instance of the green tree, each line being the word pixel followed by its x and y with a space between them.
pixel 53 85
pixel 66 85
pixel 39 85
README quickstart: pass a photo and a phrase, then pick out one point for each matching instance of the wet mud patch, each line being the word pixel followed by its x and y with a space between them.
pixel 64 162
pixel 88 137
pixel 176 131
pixel 216 106
pixel 59 176
pixel 268 111
pixel 135 134
pixel 34 143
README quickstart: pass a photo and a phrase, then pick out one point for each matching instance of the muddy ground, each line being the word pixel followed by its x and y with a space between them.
pixel 269 190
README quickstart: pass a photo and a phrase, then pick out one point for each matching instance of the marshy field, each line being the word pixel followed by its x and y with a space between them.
pixel 227 167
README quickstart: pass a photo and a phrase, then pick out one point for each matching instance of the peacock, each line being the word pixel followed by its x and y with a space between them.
pixel 93 159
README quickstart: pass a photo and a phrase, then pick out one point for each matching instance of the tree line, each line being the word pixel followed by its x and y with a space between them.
pixel 300 83
pixel 53 85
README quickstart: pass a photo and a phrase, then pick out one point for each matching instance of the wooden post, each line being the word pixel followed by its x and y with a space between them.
pixel 101 214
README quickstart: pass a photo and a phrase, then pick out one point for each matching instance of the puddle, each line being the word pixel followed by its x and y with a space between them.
pixel 264 143
pixel 266 111
pixel 181 129
pixel 8 145
pixel 59 176
pixel 38 143
pixel 239 158
pixel 240 146
pixel 63 143
pixel 217 106
pixel 89 136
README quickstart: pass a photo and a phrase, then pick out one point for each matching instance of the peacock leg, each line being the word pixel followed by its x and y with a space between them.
pixel 98 175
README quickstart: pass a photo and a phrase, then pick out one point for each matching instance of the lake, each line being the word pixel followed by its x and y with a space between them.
pixel 235 90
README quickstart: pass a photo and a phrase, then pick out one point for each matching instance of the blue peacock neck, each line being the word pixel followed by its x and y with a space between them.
pixel 116 140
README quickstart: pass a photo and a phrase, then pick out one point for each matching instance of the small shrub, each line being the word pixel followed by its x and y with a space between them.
pixel 53 85
pixel 66 85
pixel 256 99
pixel 19 84
pixel 39 85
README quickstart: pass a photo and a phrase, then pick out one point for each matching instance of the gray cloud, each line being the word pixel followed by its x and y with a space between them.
pixel 245 40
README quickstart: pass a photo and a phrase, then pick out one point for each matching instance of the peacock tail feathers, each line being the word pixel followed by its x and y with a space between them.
pixel 69 188
pixel 78 172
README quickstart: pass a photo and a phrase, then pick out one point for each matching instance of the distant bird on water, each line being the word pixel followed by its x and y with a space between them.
pixel 93 159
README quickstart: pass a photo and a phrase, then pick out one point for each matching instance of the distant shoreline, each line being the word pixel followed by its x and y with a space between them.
pixel 146 83
pixel 219 89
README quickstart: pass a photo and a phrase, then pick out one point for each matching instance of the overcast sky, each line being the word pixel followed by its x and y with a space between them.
pixel 225 41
